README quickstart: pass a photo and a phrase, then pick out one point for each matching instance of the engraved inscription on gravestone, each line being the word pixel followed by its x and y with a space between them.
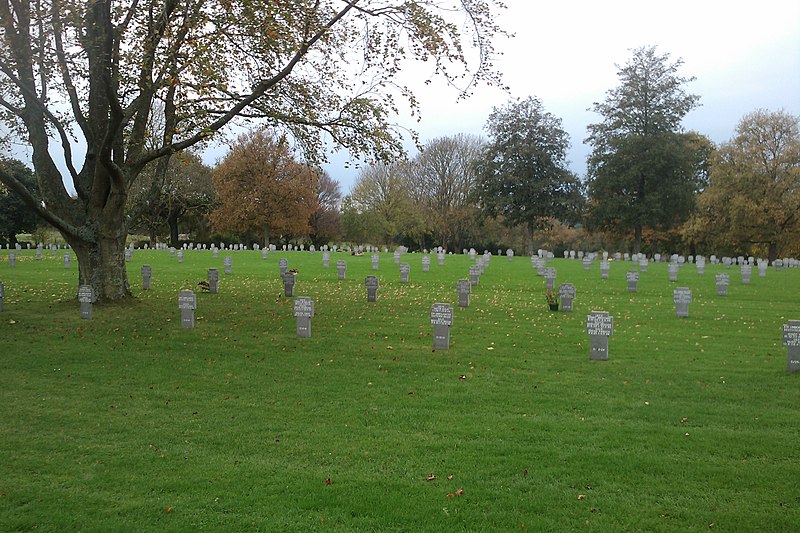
pixel 474 274
pixel 722 281
pixel 550 277
pixel 566 293
pixel 228 263
pixel 213 280
pixel 463 288
pixel 599 326
pixel 682 296
pixel 326 259
pixel 405 270
pixel 375 261
pixel 747 271
pixel 791 339
pixel 426 263
pixel 304 312
pixel 283 265
pixel 86 298
pixel 605 267
pixel 441 320
pixel 672 270
pixel 341 267
pixel 289 279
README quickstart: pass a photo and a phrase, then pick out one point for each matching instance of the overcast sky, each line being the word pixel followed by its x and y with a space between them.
pixel 745 56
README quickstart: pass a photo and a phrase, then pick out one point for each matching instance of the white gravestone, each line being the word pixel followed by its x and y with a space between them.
pixel 550 277
pixel 722 281
pixel 228 263
pixel 283 265
pixel 405 270
pixel 426 263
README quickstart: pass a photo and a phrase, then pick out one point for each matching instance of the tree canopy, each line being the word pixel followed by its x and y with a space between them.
pixel 752 202
pixel 97 74
pixel 643 170
pixel 523 173
pixel 15 216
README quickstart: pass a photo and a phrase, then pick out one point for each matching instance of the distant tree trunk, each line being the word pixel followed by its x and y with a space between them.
pixel 153 237
pixel 172 220
pixel 265 228
pixel 772 252
pixel 529 239
pixel 637 238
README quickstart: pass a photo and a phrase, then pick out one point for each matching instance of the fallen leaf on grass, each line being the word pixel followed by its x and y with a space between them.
pixel 328 481
pixel 168 509
pixel 431 477
pixel 581 496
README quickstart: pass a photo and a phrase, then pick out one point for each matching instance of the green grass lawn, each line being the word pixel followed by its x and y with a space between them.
pixel 129 422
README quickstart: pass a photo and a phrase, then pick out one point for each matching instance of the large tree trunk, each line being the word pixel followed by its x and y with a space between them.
pixel 172 220
pixel 772 252
pixel 637 238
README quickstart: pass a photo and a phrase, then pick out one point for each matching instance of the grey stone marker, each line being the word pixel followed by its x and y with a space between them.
pixel 605 267
pixel 441 320
pixel 405 270
pixel 215 252
pixel 762 269
pixel 376 259
pixel 2 295
pixel 341 266
pixel 147 272
pixel 463 288
pixel 187 303
pixel 672 269
pixel 587 263
pixel 510 254
pixel 66 260
pixel 682 296
pixel 599 327
pixel 304 312
pixel 371 283
pixel 86 298
pixel 791 339
pixel 39 253
pixel 264 252
pixel 566 293
pixel 550 277
pixel 700 265
pixel 632 277
pixel 778 264
pixel 643 263
pixel 12 260
pixel 326 259
pixel 397 258
pixel 283 265
pixel 426 263
pixel 440 259
pixel 228 263
pixel 289 279
pixel 722 281
pixel 746 271
pixel 474 275
pixel 213 280
pixel 180 256
pixel 128 255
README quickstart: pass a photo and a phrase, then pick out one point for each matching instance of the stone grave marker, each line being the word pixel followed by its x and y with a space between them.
pixel 326 259
pixel 626 256
pixel 700 265
pixel 762 268
pixel 643 263
pixel 440 258
pixel 463 289
pixel 746 271
pixel 791 339
pixel 550 277
pixel 778 264
pixel 147 272
pixel 180 256
pixel 372 283
pixel 605 268
pixel 397 257
pixel 722 281
pixel 39 253
pixel 213 280
pixel 215 252
pixel 341 267
pixel 587 263
pixel 304 312
pixel 599 327
pixel 187 303
pixel 510 254
pixel 426 263
pixel 474 275
pixel 682 296
pixel 672 270
pixel 375 261
pixel 228 263
pixel 283 265
pixel 632 277
pixel 264 253
pixel 289 279
pixel 12 260
pixel 86 299
pixel 566 293
pixel 405 270
pixel 128 255
pixel 66 260
pixel 441 320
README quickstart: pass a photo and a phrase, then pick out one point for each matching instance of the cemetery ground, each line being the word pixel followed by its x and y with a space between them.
pixel 128 421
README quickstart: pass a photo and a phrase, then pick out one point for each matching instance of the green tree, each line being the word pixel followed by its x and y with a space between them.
pixel 325 222
pixel 262 190
pixel 643 171
pixel 752 202
pixel 523 175
pixel 15 216
pixel 94 71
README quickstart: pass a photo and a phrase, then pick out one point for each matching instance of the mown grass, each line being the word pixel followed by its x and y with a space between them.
pixel 129 422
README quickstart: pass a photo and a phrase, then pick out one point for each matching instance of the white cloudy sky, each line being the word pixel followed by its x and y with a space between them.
pixel 745 56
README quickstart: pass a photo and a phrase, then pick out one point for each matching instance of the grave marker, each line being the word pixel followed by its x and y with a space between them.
pixel 304 312
pixel 682 296
pixel 510 254
pixel 405 270
pixel 341 266
pixel 672 269
pixel 372 283
pixel 289 279
pixel 550 277
pixel 441 320
pixel 747 271
pixel 264 253
pixel 722 281
pixel 397 257
pixel 147 271
pixel 66 260
pixel 791 339
pixel 566 293
pixel 474 275
pixel 643 264
pixel 228 263
pixel 86 298
pixel 605 267
pixel 463 288
pixel 187 303
pixel 283 265
pixel 440 258
pixel 587 263
pixel 599 327
pixel 213 280
pixel 375 261
pixel 632 277
pixel 180 256
pixel 426 263
pixel 12 260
